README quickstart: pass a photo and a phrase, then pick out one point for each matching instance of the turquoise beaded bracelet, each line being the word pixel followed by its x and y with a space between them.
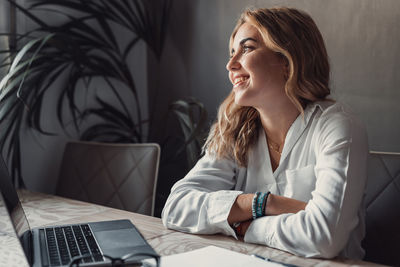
pixel 254 205
pixel 259 204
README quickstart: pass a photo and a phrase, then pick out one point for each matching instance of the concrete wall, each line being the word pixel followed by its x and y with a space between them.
pixel 362 38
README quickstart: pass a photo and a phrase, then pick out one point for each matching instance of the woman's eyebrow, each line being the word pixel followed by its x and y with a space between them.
pixel 247 39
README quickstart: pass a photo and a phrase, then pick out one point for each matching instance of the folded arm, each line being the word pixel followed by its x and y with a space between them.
pixel 201 201
pixel 241 210
pixel 324 227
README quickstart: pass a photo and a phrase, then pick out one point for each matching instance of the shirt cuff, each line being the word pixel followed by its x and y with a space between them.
pixel 261 231
pixel 220 204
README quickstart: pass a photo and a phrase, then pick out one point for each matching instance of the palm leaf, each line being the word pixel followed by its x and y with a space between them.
pixel 16 66
pixel 78 50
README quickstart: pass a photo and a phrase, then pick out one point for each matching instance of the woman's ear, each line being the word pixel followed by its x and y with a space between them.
pixel 286 69
pixel 285 63
pixel 286 73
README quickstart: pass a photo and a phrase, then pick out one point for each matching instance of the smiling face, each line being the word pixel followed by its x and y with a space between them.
pixel 256 72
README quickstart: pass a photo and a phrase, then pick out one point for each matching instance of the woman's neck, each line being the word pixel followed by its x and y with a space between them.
pixel 277 121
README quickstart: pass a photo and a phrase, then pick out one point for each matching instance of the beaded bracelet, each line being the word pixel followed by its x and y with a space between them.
pixel 254 205
pixel 264 205
pixel 259 204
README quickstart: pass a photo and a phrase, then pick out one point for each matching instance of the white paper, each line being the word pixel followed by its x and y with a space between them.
pixel 213 256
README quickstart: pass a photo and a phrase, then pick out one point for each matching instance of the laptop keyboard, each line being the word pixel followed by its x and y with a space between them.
pixel 67 242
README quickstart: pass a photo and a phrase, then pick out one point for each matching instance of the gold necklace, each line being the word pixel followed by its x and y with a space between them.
pixel 274 146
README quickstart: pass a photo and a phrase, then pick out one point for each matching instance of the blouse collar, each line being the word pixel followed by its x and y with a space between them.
pixel 295 131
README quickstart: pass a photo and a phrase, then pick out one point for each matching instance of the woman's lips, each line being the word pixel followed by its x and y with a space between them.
pixel 239 80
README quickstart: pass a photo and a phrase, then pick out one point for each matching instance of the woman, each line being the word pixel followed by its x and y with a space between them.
pixel 283 165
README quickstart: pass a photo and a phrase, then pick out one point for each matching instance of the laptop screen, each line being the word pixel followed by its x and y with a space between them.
pixel 11 201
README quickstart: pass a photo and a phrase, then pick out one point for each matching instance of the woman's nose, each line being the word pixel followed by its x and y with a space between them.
pixel 233 64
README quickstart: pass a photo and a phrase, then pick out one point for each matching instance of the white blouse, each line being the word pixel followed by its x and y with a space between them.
pixel 323 163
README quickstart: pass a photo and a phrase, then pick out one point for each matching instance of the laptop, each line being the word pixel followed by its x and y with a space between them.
pixel 57 245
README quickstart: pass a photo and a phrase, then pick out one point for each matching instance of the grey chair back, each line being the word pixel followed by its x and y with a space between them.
pixel 382 241
pixel 122 176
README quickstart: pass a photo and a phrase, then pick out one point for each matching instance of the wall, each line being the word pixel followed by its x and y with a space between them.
pixel 41 155
pixel 362 38
pixel 4 27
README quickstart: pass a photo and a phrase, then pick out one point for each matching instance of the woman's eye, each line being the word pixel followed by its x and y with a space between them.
pixel 246 49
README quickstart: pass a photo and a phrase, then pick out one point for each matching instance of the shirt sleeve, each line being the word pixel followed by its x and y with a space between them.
pixel 200 202
pixel 324 227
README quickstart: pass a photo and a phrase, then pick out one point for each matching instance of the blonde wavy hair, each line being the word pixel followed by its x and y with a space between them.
pixel 294 35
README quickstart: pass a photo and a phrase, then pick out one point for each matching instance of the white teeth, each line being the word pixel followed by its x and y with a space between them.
pixel 239 80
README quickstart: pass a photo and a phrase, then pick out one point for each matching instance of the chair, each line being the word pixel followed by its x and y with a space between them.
pixel 122 176
pixel 382 241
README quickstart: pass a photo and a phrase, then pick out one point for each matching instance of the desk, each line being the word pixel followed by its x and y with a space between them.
pixel 42 209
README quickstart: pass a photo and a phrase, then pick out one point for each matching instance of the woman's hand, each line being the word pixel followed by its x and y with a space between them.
pixel 241 209
pixel 242 228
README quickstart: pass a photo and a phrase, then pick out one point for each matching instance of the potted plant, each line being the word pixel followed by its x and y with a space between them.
pixel 82 49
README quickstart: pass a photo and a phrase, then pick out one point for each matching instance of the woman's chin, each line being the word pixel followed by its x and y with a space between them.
pixel 241 100
pixel 242 95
